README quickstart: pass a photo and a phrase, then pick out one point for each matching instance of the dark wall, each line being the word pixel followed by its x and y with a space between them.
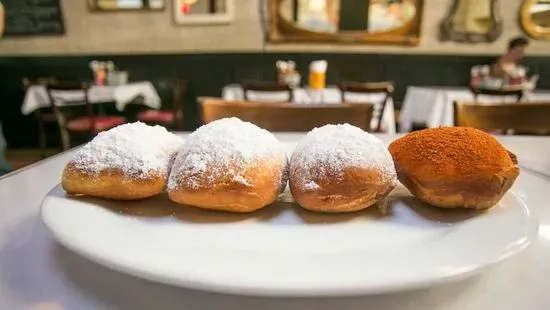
pixel 208 73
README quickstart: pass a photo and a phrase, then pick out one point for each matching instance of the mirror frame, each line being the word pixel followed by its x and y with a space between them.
pixel 93 8
pixel 529 27
pixel 226 17
pixel 446 32
pixel 281 30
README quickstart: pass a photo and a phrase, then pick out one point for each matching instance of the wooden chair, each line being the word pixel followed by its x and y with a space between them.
pixel 516 92
pixel 267 87
pixel 369 88
pixel 287 116
pixel 44 116
pixel 532 116
pixel 81 117
pixel 170 116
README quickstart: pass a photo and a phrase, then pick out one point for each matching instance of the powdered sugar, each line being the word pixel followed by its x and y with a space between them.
pixel 240 179
pixel 331 148
pixel 311 185
pixel 135 148
pixel 223 149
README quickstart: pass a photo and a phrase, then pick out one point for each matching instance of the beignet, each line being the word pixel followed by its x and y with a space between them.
pixel 454 167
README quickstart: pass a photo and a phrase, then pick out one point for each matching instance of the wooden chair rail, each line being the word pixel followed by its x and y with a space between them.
pixel 521 116
pixel 287 116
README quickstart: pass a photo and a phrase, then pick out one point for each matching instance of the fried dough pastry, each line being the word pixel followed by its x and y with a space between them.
pixel 229 165
pixel 454 167
pixel 340 168
pixel 128 162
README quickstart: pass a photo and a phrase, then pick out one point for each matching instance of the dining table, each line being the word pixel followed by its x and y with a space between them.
pixel 432 106
pixel 328 95
pixel 36 96
pixel 36 272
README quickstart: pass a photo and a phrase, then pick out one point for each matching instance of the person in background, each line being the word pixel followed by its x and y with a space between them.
pixel 509 63
pixel 4 167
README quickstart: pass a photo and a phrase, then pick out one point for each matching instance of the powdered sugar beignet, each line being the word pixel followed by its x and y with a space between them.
pixel 340 168
pixel 131 161
pixel 229 165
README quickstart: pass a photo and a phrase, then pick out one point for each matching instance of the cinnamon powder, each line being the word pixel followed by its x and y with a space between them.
pixel 450 151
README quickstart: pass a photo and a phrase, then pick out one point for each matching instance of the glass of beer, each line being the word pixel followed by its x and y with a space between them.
pixel 317 74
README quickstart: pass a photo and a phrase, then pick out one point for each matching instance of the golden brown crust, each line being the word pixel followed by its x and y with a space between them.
pixel 355 189
pixel 111 184
pixel 256 187
pixel 454 167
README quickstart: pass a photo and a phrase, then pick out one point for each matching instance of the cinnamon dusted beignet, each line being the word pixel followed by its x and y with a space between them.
pixel 454 167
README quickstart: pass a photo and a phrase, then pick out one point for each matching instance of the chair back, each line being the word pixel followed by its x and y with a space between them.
pixel 27 82
pixel 64 94
pixel 180 89
pixel 75 103
pixel 287 116
pixel 385 87
pixel 40 113
pixel 75 99
pixel 274 88
pixel 172 93
pixel 516 92
pixel 523 116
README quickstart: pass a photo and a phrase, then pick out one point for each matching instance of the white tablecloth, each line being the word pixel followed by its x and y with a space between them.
pixel 38 273
pixel 433 106
pixel 36 96
pixel 329 95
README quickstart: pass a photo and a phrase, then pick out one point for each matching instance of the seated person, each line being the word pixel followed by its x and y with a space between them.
pixel 509 64
pixel 506 70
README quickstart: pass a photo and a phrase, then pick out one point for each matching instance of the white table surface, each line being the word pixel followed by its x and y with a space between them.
pixel 328 95
pixel 36 96
pixel 35 271
pixel 433 106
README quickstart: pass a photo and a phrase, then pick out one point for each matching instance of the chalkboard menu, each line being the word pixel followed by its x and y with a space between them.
pixel 33 18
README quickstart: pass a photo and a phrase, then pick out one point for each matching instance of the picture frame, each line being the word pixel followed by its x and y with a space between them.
pixel 281 30
pixel 216 18
pixel 106 6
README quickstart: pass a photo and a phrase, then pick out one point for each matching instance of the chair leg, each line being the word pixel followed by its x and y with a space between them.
pixel 42 140
pixel 65 139
pixel 179 124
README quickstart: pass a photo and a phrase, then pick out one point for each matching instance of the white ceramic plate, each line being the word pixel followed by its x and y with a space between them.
pixel 284 250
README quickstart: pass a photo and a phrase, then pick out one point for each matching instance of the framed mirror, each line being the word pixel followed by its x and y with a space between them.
pixel 472 21
pixel 125 5
pixel 203 12
pixel 345 21
pixel 535 18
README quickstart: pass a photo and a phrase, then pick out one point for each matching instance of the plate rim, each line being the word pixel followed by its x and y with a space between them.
pixel 531 230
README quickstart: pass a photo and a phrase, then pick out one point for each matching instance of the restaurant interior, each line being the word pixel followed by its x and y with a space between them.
pixel 160 59
pixel 70 70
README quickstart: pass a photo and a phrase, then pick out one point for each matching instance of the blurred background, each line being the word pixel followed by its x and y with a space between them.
pixel 72 68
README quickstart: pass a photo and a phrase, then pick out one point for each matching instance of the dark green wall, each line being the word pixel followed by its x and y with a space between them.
pixel 208 73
